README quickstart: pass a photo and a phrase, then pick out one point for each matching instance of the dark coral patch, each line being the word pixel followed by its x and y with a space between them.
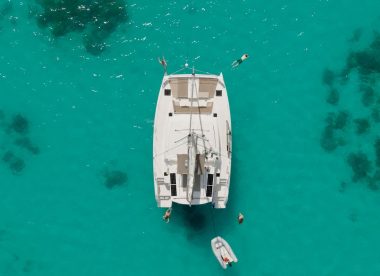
pixel 337 120
pixel 6 8
pixel 328 140
pixel 362 125
pixel 374 181
pixel 368 97
pixel 356 35
pixel 19 124
pixel 2 119
pixel 114 178
pixel 350 64
pixel 25 143
pixel 328 77
pixel 342 187
pixel 375 44
pixel 360 165
pixel 341 119
pixel 377 152
pixel 366 62
pixel 8 156
pixel 376 114
pixel 353 216
pixel 15 164
pixel 97 19
pixel 94 43
pixel 27 266
pixel 333 97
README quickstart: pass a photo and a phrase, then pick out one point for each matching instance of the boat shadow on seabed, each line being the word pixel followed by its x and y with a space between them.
pixel 199 220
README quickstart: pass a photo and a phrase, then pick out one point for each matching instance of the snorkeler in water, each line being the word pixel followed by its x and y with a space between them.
pixel 237 62
pixel 167 215
pixel 163 63
pixel 240 218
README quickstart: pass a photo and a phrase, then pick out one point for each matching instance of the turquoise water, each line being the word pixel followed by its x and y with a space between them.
pixel 83 117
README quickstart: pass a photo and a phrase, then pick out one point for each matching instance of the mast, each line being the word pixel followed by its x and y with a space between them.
pixel 191 149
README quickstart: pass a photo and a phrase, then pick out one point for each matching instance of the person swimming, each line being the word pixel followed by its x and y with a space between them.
pixel 237 62
pixel 240 218
pixel 167 215
pixel 163 63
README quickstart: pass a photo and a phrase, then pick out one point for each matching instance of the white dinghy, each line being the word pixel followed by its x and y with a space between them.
pixel 223 252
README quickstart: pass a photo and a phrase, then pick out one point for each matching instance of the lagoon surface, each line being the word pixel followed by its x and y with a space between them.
pixel 78 86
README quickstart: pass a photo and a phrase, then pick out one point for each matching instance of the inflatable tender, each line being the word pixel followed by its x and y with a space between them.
pixel 223 252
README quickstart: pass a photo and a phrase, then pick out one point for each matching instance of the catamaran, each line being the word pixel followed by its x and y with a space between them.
pixel 192 140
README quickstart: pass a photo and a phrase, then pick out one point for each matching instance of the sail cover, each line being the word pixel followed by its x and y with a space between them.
pixel 192 152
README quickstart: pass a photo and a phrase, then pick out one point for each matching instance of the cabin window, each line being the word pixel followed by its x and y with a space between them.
pixel 173 186
pixel 210 182
pixel 173 178
pixel 209 191
pixel 219 93
pixel 170 114
pixel 167 92
pixel 210 179
pixel 173 190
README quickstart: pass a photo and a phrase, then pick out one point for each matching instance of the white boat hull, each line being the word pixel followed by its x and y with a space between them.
pixel 203 101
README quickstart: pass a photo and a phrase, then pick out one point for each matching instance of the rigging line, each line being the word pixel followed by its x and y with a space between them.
pixel 181 139
pixel 195 129
pixel 216 152
pixel 200 137
pixel 203 147
pixel 169 149
pixel 183 68
pixel 191 101
pixel 203 72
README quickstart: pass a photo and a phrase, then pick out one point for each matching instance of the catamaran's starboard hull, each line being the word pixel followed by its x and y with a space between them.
pixel 192 131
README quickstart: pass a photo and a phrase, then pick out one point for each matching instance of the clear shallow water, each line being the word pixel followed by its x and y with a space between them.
pixel 89 114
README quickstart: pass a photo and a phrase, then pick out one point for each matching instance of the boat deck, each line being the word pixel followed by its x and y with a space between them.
pixel 201 99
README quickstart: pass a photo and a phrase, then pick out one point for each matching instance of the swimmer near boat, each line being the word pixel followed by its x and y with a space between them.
pixel 240 218
pixel 239 61
pixel 166 216
pixel 163 63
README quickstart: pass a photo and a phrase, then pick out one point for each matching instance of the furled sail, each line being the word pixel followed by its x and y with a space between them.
pixel 192 152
